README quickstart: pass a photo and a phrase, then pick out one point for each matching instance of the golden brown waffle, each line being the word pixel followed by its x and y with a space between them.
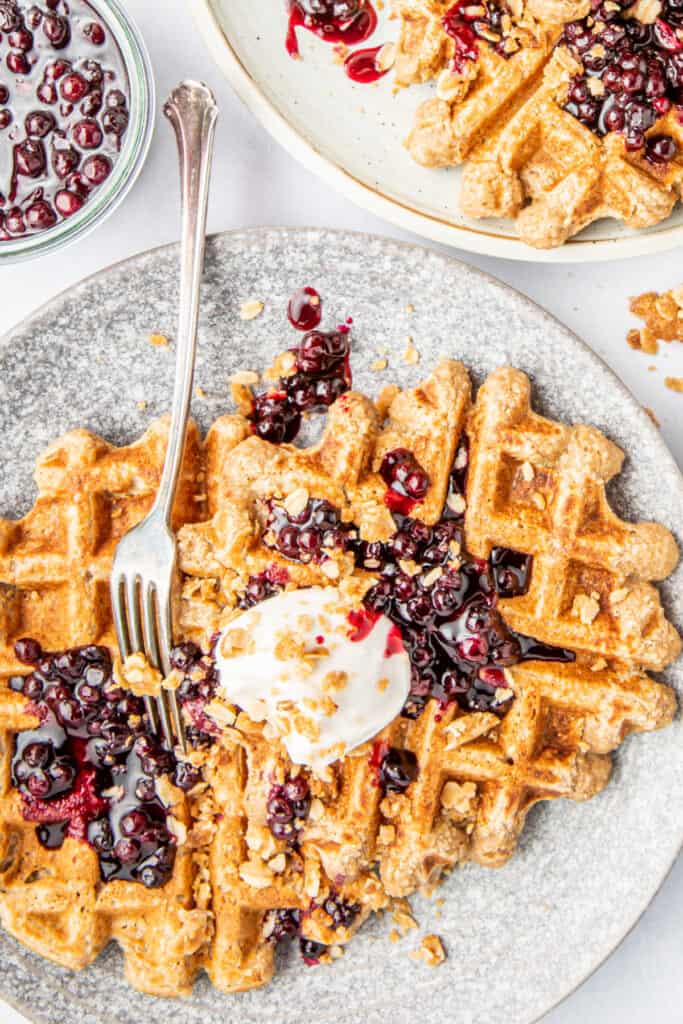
pixel 478 776
pixel 54 584
pixel 478 773
pixel 525 157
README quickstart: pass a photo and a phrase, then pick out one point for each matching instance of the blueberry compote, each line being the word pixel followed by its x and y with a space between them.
pixel 63 111
pixel 407 483
pixel 88 770
pixel 639 69
pixel 321 374
pixel 308 536
pixel 468 22
pixel 346 22
pixel 448 620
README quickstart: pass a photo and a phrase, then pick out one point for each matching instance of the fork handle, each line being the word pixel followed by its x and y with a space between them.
pixel 192 110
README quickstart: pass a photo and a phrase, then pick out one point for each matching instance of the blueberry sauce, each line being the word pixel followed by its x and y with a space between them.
pixel 308 536
pixel 407 482
pixel 305 309
pixel 88 770
pixel 632 74
pixel 469 22
pixel 321 375
pixel 345 22
pixel 455 637
pixel 63 111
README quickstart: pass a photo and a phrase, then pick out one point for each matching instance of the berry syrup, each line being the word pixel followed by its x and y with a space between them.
pixel 64 95
pixel 345 22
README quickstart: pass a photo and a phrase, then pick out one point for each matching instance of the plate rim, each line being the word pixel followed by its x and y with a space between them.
pixel 430 227
pixel 35 1016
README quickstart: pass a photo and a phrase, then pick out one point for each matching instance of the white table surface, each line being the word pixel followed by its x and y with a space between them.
pixel 257 183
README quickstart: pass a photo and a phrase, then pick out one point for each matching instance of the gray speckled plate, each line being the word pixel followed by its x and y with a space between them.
pixel 521 938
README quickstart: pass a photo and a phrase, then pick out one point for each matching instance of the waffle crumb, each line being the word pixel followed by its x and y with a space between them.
pixel 159 340
pixel 251 309
pixel 402 917
pixel 430 951
pixel 142 405
pixel 652 414
pixel 200 392
pixel 662 313
pixel 674 384
pixel 411 354
pixel 379 364
pixel 246 378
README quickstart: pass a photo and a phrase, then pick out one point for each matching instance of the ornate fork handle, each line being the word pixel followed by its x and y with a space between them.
pixel 191 109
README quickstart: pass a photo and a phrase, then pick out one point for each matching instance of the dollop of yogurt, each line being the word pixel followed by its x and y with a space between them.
pixel 324 674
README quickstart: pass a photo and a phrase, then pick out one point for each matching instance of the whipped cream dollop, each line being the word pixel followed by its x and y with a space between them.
pixel 325 674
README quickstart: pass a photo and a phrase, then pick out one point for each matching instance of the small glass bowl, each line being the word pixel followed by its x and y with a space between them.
pixel 136 143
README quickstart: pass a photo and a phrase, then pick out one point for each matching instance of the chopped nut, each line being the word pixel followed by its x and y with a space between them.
pixel 585 608
pixel 379 364
pixel 386 57
pixel 330 569
pixel 619 595
pixel 278 863
pixel 457 797
pixel 527 472
pixel 256 874
pixel 470 727
pixel 295 503
pixel 538 500
pixel 250 310
pixel 650 412
pixel 177 828
pixel 598 665
pixel 456 503
pixel 142 405
pixel 409 308
pixel 316 810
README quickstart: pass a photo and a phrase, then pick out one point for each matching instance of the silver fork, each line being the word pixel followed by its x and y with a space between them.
pixel 144 570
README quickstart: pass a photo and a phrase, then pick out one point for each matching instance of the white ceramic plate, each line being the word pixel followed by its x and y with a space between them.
pixel 351 135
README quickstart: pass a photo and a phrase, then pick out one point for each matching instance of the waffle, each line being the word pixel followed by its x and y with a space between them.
pixel 533 484
pixel 525 156
pixel 54 584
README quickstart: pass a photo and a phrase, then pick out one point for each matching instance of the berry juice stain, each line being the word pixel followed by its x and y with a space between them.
pixel 361 66
pixel 349 22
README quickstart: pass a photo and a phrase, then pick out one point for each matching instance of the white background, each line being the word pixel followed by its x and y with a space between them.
pixel 256 183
